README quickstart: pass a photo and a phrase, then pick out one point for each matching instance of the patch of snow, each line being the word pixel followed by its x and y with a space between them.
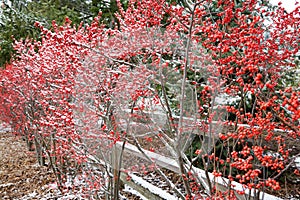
pixel 273 154
pixel 153 189
pixel 6 185
pixel 30 196
pixel 297 162
pixel 70 196
pixel 134 192
pixel 288 5
pixel 225 99
pixel 4 128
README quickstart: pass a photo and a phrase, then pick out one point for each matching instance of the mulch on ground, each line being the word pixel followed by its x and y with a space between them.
pixel 20 175
pixel 21 178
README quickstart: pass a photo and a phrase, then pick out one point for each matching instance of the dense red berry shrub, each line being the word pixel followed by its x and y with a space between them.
pixel 163 74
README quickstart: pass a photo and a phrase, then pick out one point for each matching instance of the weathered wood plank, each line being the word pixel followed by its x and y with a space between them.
pixel 171 164
pixel 145 188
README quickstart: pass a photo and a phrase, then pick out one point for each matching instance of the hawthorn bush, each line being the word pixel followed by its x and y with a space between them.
pixel 158 80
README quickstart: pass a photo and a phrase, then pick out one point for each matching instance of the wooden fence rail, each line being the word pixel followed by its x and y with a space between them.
pixel 221 182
